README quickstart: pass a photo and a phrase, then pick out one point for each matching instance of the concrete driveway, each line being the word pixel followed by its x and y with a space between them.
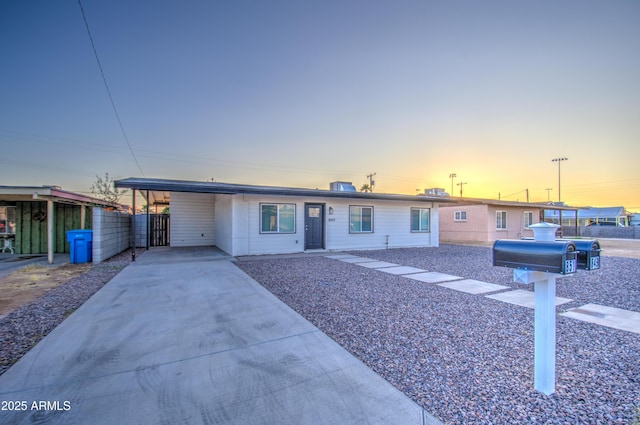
pixel 188 338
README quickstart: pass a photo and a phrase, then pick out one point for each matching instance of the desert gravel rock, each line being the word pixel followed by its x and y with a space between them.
pixel 466 358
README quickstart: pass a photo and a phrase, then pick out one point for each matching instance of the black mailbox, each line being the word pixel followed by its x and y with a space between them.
pixel 588 253
pixel 551 257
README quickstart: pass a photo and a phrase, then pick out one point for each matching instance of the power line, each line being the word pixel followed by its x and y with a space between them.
pixel 106 85
pixel 597 186
pixel 40 167
pixel 171 156
pixel 513 194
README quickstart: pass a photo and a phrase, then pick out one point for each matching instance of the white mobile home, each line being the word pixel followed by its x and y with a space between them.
pixel 255 220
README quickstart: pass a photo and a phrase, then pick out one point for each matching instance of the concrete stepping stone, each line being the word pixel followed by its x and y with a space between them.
pixel 612 317
pixel 522 298
pixel 402 270
pixel 376 264
pixel 357 260
pixel 432 277
pixel 472 286
pixel 341 256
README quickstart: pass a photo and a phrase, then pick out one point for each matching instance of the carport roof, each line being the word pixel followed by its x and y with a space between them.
pixel 54 193
pixel 161 187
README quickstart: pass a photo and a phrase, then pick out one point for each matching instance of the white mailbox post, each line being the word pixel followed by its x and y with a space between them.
pixel 544 357
pixel 540 262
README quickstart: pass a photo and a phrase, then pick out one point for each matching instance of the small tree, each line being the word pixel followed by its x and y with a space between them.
pixel 365 188
pixel 104 189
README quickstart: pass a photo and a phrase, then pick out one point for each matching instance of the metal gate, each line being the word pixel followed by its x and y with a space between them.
pixel 159 232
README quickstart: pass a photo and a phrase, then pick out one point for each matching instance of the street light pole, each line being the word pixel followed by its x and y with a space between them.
pixel 452 176
pixel 559 160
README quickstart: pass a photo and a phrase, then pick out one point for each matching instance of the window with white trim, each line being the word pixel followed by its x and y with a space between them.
pixel 277 218
pixel 501 220
pixel 7 220
pixel 459 216
pixel 528 219
pixel 420 219
pixel 360 219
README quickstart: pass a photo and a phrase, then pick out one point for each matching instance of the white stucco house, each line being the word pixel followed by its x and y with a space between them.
pixel 256 220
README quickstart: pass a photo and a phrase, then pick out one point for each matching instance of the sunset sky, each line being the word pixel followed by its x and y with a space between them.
pixel 302 93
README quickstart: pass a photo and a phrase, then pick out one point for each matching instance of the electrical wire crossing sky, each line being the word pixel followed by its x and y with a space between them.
pixel 300 94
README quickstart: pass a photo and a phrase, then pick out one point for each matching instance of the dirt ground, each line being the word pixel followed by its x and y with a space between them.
pixel 629 248
pixel 31 282
pixel 620 247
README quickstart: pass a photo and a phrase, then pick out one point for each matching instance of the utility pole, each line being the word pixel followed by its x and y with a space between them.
pixel 559 160
pixel 461 184
pixel 452 176
pixel 371 182
pixel 527 195
pixel 548 190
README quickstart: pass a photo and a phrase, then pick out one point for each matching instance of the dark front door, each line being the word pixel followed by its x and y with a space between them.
pixel 313 226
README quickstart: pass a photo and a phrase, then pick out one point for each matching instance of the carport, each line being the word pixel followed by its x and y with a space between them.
pixel 34 219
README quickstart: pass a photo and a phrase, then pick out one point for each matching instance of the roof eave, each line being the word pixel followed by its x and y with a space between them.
pixel 233 189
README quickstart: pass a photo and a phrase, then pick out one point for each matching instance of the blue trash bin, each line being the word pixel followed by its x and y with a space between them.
pixel 81 245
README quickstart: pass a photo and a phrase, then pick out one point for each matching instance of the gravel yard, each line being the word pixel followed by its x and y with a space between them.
pixel 465 358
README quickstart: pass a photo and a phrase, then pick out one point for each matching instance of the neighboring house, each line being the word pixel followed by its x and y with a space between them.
pixel 253 220
pixel 608 216
pixel 34 219
pixel 485 220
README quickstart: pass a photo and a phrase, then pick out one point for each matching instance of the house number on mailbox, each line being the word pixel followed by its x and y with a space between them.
pixel 570 266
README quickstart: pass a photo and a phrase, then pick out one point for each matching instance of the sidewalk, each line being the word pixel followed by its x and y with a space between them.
pixel 195 342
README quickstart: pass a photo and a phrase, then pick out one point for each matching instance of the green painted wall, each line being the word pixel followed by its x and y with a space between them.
pixel 31 226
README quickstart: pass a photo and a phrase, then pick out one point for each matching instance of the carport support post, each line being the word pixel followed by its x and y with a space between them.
pixel 50 232
pixel 133 227
pixel 148 221
pixel 83 215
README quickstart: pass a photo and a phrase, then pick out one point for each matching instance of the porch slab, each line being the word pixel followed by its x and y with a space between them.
pixel 472 286
pixel 377 264
pixel 402 270
pixel 611 317
pixel 432 277
pixel 523 298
